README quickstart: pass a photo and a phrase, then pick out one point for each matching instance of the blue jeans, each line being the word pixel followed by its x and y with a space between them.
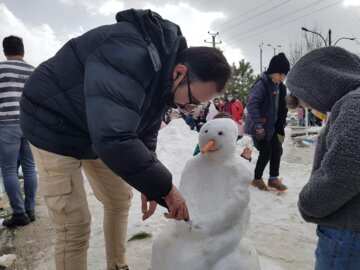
pixel 12 146
pixel 337 249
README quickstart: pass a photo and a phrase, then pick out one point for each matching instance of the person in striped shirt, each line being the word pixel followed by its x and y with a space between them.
pixel 13 75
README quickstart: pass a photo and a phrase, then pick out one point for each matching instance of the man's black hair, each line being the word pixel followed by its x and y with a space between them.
pixel 13 45
pixel 206 64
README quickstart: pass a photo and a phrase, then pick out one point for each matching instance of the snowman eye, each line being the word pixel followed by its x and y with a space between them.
pixel 206 131
pixel 220 133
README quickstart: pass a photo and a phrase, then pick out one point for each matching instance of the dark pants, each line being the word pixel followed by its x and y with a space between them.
pixel 268 150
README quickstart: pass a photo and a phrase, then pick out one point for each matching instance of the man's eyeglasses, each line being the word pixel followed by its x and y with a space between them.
pixel 193 102
pixel 192 99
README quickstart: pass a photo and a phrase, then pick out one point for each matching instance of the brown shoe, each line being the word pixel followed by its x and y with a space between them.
pixel 260 184
pixel 277 184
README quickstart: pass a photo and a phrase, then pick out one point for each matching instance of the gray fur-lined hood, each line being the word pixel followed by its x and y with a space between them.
pixel 323 76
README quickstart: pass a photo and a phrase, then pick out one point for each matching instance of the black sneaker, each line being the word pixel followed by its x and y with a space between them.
pixel 17 220
pixel 125 267
pixel 31 215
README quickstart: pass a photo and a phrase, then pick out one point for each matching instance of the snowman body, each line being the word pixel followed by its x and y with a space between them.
pixel 215 186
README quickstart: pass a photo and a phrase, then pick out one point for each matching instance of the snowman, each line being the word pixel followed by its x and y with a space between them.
pixel 215 186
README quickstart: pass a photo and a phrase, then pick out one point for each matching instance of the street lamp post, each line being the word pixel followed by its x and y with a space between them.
pixel 261 52
pixel 343 38
pixel 316 33
pixel 274 48
pixel 329 36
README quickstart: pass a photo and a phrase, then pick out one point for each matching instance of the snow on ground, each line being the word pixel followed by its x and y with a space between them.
pixel 283 240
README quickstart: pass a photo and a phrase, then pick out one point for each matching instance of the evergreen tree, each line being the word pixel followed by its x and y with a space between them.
pixel 243 78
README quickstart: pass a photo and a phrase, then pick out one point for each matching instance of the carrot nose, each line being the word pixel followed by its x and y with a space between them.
pixel 208 146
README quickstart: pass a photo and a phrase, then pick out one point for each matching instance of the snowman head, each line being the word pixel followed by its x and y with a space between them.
pixel 218 138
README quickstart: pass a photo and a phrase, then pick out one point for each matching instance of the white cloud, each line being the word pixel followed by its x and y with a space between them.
pixel 78 32
pixel 351 3
pixel 98 7
pixel 110 7
pixel 233 55
pixel 68 2
pixel 40 42
pixel 194 23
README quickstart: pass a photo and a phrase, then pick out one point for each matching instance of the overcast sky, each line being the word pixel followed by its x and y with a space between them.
pixel 46 25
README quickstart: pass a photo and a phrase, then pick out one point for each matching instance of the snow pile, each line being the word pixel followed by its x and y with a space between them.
pixel 176 145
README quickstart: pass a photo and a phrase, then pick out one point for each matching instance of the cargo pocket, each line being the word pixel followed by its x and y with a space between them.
pixel 63 201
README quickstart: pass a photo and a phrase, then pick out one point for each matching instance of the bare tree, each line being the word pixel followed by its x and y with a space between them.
pixel 307 43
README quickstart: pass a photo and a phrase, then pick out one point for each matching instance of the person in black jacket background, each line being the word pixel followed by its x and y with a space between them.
pixel 97 105
pixel 266 121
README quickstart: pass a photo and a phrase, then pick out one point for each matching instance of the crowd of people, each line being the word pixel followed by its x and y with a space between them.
pixel 97 106
pixel 196 118
pixel 313 120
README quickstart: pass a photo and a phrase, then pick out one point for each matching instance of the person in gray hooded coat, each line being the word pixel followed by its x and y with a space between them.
pixel 328 80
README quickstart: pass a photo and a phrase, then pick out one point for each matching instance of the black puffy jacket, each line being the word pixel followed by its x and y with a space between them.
pixel 103 94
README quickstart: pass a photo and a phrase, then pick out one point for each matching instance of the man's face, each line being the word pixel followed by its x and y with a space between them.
pixel 230 97
pixel 278 77
pixel 188 94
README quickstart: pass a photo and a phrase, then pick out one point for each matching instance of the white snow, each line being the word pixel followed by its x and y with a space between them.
pixel 315 129
pixel 282 239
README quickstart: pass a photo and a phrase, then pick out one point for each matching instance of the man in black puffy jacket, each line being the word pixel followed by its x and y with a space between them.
pixel 97 105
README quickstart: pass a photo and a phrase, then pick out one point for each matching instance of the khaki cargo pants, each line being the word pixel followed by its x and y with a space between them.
pixel 62 185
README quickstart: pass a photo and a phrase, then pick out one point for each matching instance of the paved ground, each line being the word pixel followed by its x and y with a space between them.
pixel 29 242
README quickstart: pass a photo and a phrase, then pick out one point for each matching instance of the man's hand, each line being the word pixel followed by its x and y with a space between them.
pixel 176 205
pixel 146 209
pixel 260 132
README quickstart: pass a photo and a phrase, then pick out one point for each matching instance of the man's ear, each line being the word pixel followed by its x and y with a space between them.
pixel 179 71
